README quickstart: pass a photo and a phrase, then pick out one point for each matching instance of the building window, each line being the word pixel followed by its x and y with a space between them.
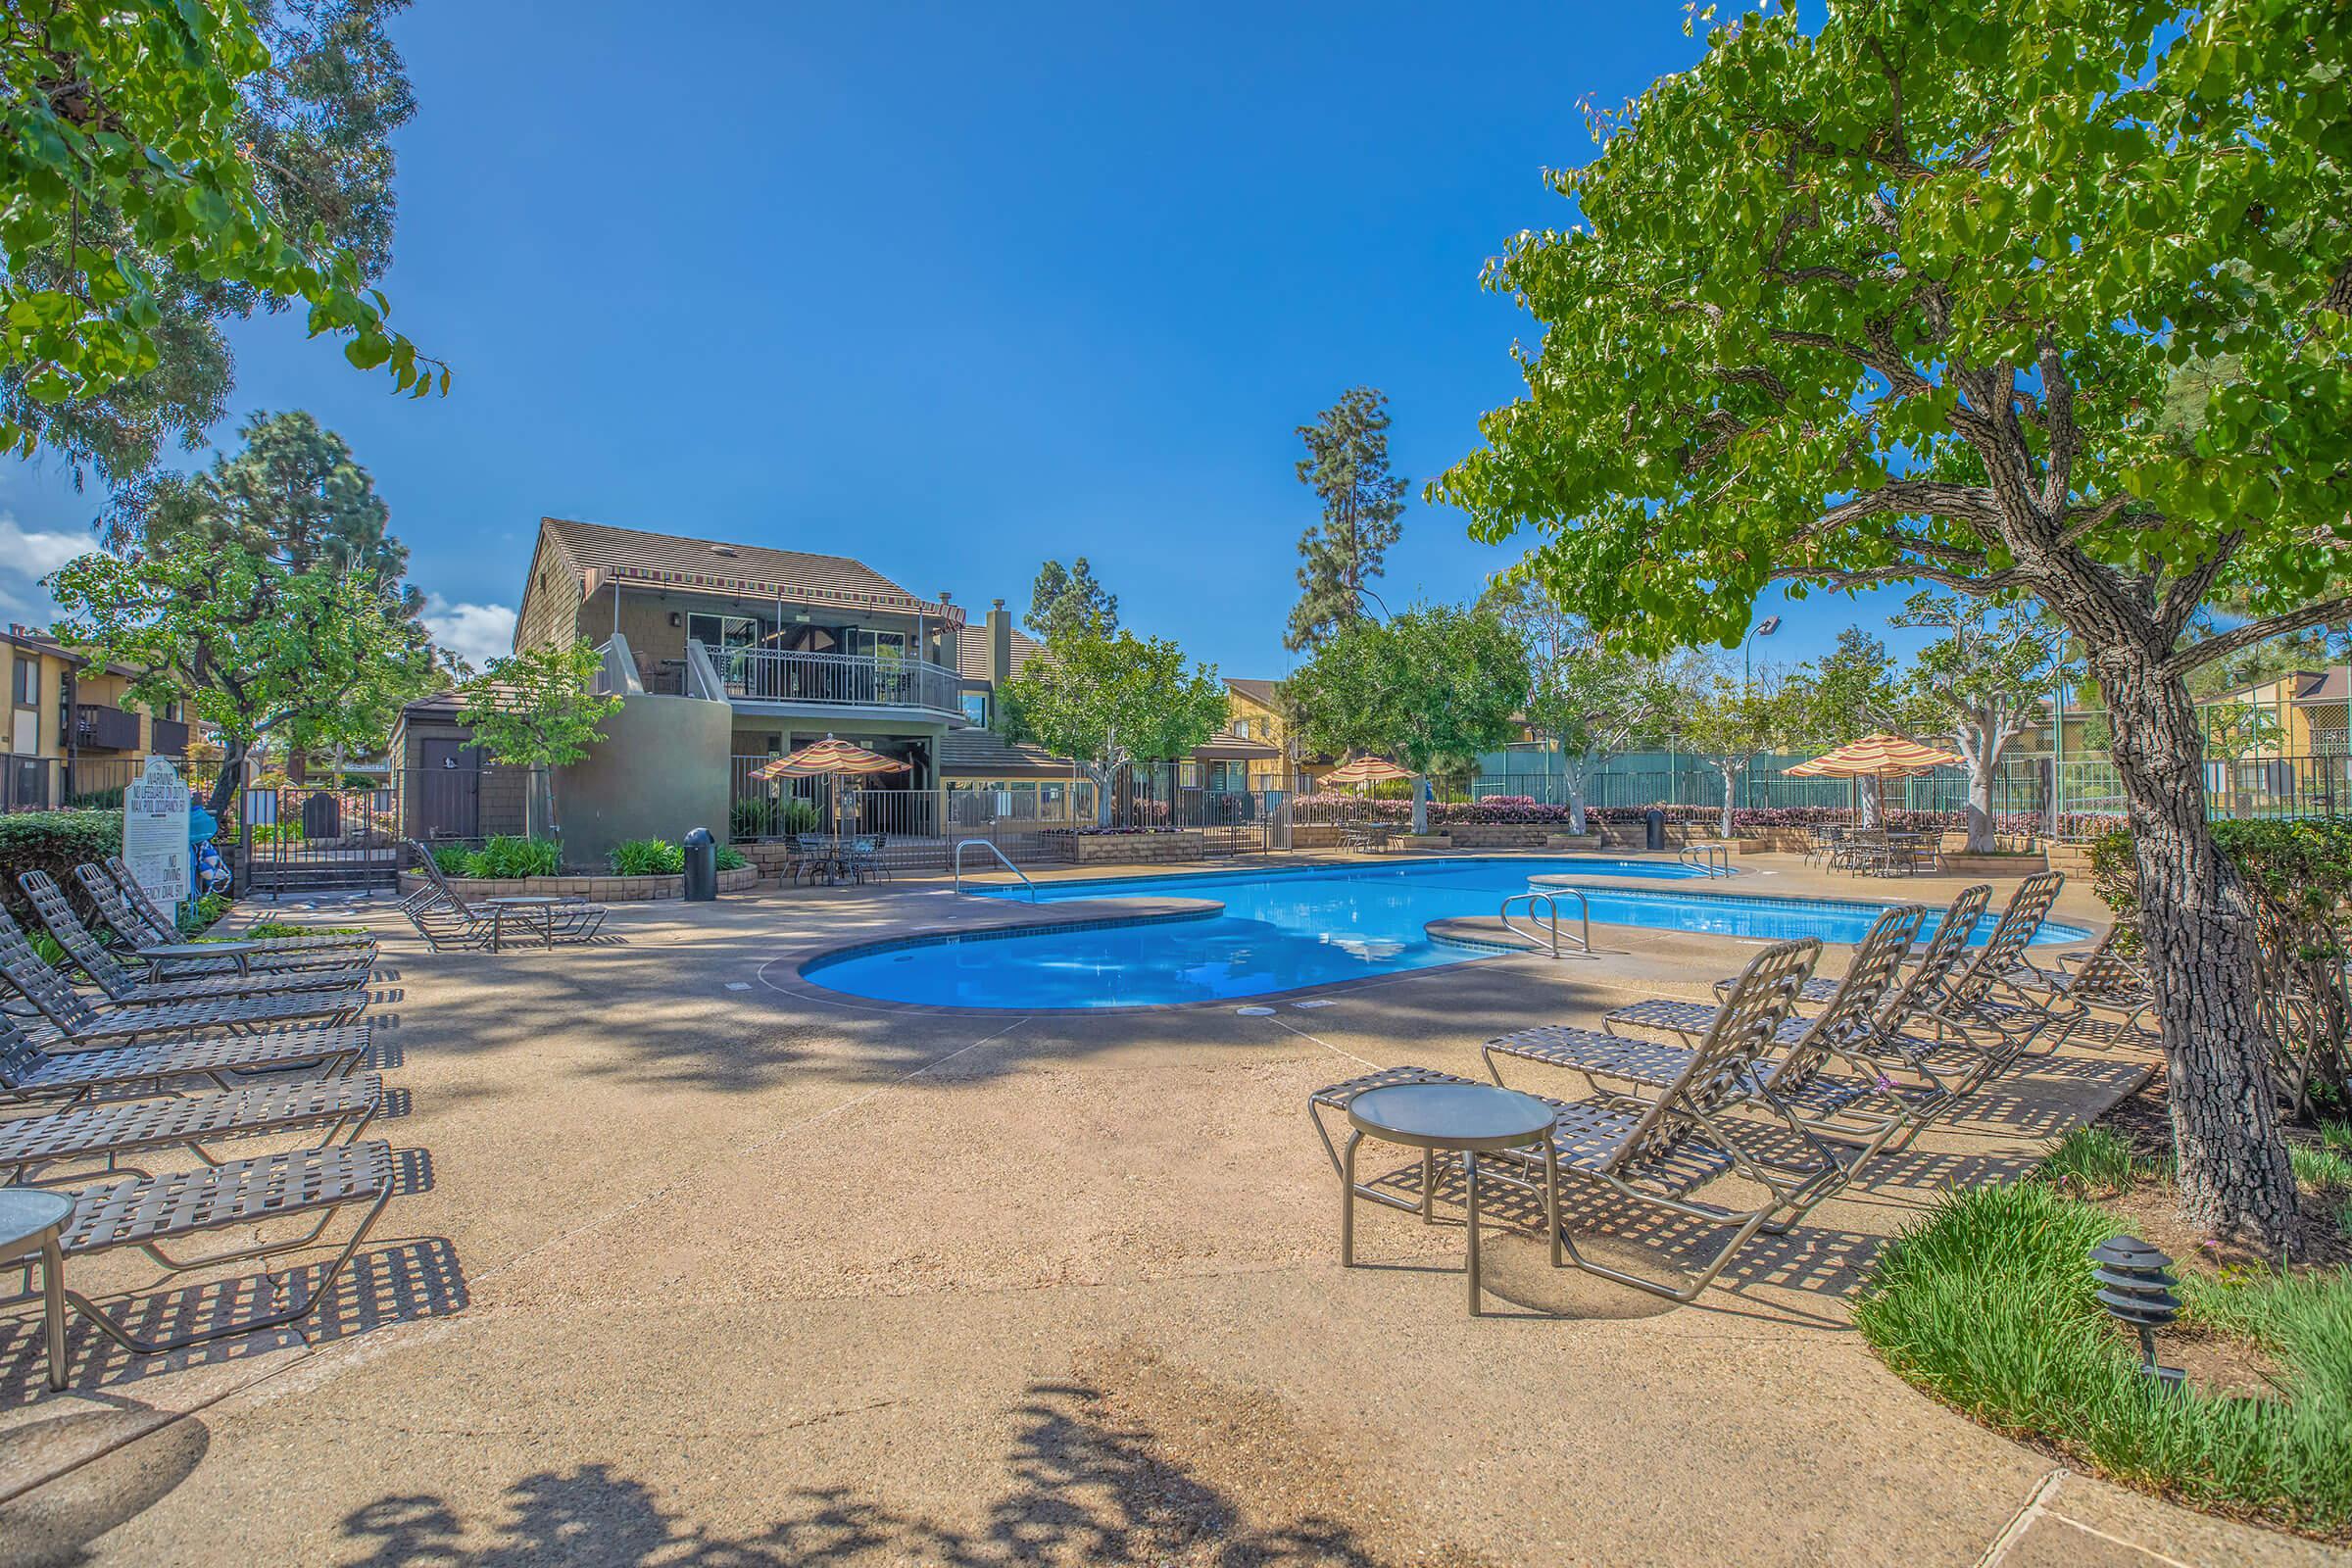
pixel 28 686
pixel 723 631
pixel 975 708
pixel 873 644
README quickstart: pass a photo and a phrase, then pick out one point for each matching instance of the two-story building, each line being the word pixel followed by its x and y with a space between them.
pixel 70 732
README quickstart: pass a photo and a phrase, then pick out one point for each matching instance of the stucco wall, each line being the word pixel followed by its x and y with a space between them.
pixel 661 771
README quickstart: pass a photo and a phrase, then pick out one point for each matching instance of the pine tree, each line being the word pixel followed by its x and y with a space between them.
pixel 1346 463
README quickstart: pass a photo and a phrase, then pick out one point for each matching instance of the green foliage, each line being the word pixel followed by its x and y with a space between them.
pixel 1979 684
pixel 265 590
pixel 727 857
pixel 2090 1163
pixel 506 856
pixel 451 858
pixel 1590 697
pixel 172 167
pixel 1987 1304
pixel 1726 717
pixel 538 708
pixel 646 858
pixel 1855 689
pixel 1106 701
pixel 770 816
pixel 1066 602
pixel 271 930
pixel 1437 681
pixel 1346 464
pixel 55 842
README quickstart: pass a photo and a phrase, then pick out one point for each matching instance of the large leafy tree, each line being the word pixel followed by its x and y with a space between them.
pixel 537 709
pixel 1590 697
pixel 1066 602
pixel 1439 681
pixel 1909 298
pixel 1980 684
pixel 266 588
pixel 1346 464
pixel 173 167
pixel 1857 689
pixel 1106 701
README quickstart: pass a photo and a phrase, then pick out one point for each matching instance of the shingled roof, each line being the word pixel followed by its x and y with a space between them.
pixel 750 571
pixel 984 754
pixel 1260 692
pixel 972 652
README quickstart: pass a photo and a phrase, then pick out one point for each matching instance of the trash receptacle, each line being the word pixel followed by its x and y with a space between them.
pixel 702 864
pixel 1654 829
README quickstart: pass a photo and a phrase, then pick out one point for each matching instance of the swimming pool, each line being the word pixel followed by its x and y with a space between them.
pixel 1289 930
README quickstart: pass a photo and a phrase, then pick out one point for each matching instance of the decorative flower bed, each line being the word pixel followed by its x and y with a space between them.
pixel 597 886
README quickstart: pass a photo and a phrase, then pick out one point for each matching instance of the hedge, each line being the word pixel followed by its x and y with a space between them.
pixel 55 842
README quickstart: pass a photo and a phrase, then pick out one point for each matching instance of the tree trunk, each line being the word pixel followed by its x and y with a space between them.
pixel 1729 776
pixel 2197 919
pixel 1572 774
pixel 1981 839
pixel 224 785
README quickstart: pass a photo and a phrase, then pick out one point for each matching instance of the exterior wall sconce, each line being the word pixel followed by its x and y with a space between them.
pixel 2136 1285
pixel 676 619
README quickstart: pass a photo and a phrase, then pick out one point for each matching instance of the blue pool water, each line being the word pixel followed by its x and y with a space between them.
pixel 1285 930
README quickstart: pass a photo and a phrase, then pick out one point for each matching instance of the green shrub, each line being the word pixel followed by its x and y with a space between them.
pixel 275 833
pixel 451 858
pixel 2090 1163
pixel 756 817
pixel 266 930
pixel 1987 1304
pixel 730 859
pixel 646 858
pixel 505 856
pixel 55 842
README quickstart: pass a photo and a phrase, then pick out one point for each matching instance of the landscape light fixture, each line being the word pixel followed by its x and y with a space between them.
pixel 2136 1285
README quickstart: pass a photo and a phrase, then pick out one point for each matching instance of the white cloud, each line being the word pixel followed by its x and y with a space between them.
pixel 25 557
pixel 475 633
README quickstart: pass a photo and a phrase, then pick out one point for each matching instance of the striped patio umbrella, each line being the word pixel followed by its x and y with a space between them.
pixel 1880 755
pixel 831 756
pixel 1367 770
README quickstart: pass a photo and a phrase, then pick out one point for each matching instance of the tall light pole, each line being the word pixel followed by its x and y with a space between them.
pixel 1747 691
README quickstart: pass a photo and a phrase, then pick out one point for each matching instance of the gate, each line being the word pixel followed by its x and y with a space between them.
pixel 302 838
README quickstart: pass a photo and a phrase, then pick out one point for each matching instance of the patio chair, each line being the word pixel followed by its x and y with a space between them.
pixel 876 861
pixel 149 1212
pixel 446 925
pixel 1934 957
pixel 116 980
pixel 2102 979
pixel 133 929
pixel 338 1108
pixel 1656 1157
pixel 78 1024
pixel 1827 1077
pixel 1981 1020
pixel 30 1074
pixel 571 917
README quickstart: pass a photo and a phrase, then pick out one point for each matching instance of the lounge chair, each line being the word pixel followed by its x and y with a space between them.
pixel 2102 979
pixel 1828 1075
pixel 31 1075
pixel 116 980
pixel 1953 927
pixel 148 1211
pixel 1982 1019
pixel 445 926
pixel 571 917
pixel 1657 1155
pixel 135 930
pixel 78 1024
pixel 168 930
pixel 341 1107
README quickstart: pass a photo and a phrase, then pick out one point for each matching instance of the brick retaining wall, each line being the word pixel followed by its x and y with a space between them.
pixel 600 888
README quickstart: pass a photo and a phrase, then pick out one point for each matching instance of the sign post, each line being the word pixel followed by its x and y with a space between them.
pixel 155 833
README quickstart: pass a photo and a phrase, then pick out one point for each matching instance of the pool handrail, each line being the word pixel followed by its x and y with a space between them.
pixel 966 844
pixel 1715 860
pixel 1550 897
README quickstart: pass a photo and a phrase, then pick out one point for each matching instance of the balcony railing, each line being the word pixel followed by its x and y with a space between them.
pixel 167 737
pixel 98 728
pixel 859 680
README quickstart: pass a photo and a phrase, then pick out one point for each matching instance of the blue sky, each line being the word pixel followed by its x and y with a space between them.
pixel 952 289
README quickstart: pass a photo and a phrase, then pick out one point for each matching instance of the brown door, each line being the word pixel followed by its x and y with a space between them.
pixel 449 791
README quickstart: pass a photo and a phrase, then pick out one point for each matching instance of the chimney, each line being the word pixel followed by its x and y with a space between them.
pixel 999 645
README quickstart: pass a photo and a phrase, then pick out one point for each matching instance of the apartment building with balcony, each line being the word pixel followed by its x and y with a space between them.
pixel 70 732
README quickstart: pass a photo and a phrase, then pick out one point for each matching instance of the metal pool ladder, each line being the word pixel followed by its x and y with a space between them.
pixel 1712 858
pixel 1549 899
pixel 1001 861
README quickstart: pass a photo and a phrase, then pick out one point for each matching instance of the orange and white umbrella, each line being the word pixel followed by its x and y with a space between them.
pixel 1880 755
pixel 1367 770
pixel 831 756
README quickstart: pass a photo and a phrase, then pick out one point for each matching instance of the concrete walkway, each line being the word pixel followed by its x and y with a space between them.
pixel 701 1266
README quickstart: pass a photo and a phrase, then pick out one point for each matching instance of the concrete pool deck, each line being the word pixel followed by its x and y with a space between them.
pixel 698 1267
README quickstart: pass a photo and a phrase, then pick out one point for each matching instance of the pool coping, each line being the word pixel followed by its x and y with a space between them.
pixel 1117 910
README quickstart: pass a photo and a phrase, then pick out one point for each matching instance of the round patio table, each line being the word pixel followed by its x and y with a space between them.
pixel 31 1219
pixel 163 953
pixel 1465 1119
pixel 542 903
